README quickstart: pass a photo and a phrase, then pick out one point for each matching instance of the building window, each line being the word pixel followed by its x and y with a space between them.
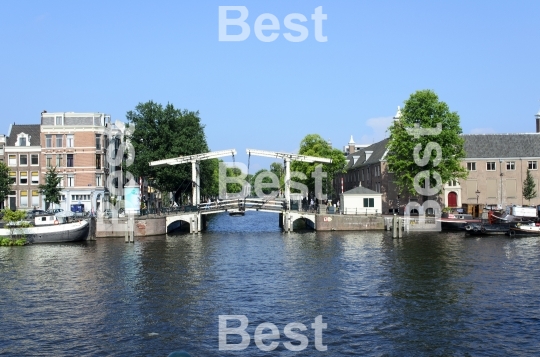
pixel 48 141
pixel 12 160
pixel 22 141
pixel 70 141
pixel 35 178
pixel 369 202
pixel 98 141
pixel 35 198
pixel 24 198
pixel 70 181
pixel 471 166
pixel 23 178
pixel 490 166
pixel 23 160
pixel 58 160
pixel 69 160
pixel 59 120
pixel 34 159
pixel 532 165
pixel 59 141
pixel 98 161
pixel 511 165
pixel 48 160
pixel 98 180
pixel 12 177
pixel 61 183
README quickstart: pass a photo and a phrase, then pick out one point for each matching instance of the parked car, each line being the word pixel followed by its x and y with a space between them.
pixel 34 212
pixel 54 210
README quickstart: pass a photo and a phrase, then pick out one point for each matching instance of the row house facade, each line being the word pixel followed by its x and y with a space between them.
pixel 497 165
pixel 2 151
pixel 74 143
pixel 22 156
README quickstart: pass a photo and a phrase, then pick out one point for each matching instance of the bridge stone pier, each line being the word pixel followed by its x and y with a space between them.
pixel 287 219
pixel 194 220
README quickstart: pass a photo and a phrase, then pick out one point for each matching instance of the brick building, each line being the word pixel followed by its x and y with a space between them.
pixel 74 144
pixel 497 166
pixel 22 155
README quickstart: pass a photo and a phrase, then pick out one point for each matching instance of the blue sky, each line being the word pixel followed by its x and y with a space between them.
pixel 482 58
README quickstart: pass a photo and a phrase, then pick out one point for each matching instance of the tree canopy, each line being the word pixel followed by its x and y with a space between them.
pixel 5 184
pixel 164 132
pixel 417 147
pixel 315 145
pixel 529 187
pixel 51 188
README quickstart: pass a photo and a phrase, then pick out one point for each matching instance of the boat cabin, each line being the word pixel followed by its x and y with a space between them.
pixel 48 219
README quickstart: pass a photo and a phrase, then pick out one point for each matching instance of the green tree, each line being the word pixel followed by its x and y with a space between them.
pixel 315 145
pixel 14 221
pixel 51 188
pixel 279 170
pixel 529 187
pixel 423 110
pixel 234 187
pixel 5 183
pixel 164 132
pixel 266 179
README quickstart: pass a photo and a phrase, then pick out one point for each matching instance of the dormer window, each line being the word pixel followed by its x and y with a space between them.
pixel 23 140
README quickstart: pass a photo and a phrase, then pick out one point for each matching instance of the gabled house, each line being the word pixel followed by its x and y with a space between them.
pixel 22 155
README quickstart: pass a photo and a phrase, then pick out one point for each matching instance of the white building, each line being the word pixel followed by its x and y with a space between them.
pixel 360 200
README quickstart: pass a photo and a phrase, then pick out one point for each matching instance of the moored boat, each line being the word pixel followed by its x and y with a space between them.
pixel 481 229
pixel 530 228
pixel 51 229
pixel 456 222
pixel 236 212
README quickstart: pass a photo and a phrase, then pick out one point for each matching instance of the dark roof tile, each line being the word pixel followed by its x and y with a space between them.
pixel 33 130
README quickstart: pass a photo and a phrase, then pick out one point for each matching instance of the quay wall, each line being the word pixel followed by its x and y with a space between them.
pixel 336 222
pixel 144 227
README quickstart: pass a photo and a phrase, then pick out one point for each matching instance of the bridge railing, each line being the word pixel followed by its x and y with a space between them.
pixel 242 205
pixel 220 205
pixel 167 210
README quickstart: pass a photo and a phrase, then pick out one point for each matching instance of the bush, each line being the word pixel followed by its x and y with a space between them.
pixel 6 242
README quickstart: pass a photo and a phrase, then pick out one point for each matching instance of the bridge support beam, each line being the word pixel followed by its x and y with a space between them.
pixel 194 225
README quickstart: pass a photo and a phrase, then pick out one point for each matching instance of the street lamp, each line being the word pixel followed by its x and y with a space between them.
pixel 477 209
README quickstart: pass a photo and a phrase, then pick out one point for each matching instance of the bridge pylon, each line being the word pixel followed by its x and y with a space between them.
pixel 195 172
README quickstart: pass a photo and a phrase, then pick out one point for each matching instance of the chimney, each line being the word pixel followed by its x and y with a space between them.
pixel 538 122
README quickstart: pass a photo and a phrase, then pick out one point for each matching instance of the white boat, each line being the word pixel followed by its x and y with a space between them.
pixel 236 212
pixel 51 229
pixel 524 229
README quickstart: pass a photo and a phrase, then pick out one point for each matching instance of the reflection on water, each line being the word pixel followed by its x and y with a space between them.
pixel 424 295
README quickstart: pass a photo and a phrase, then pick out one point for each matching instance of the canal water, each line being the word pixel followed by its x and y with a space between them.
pixel 436 294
